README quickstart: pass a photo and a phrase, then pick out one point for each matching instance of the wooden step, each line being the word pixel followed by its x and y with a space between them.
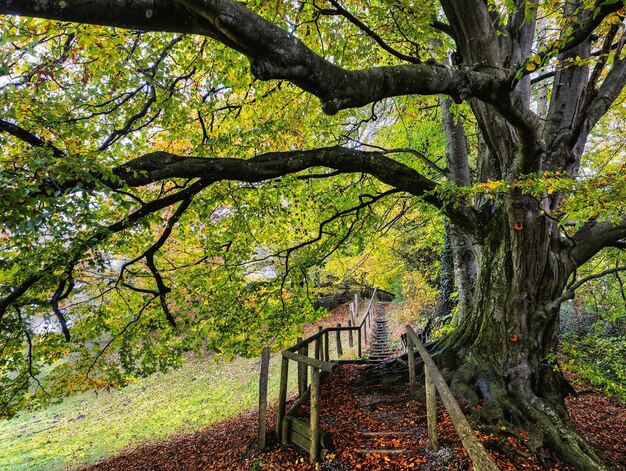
pixel 395 433
pixel 382 451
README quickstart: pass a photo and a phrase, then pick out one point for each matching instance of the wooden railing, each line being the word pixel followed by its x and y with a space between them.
pixel 481 459
pixel 288 427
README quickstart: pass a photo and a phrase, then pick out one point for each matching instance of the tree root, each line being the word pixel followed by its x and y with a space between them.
pixel 535 423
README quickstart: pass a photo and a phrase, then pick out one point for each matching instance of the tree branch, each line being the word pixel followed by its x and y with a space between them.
pixel 76 251
pixel 273 52
pixel 582 30
pixel 593 237
pixel 158 166
pixel 609 91
pixel 28 137
pixel 367 30
pixel 573 286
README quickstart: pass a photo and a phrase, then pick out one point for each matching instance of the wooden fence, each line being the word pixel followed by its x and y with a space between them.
pixel 481 459
pixel 288 427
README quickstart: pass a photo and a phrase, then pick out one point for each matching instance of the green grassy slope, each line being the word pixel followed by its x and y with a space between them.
pixel 87 427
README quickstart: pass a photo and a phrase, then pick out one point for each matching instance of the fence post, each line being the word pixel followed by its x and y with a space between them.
pixel 282 395
pixel 263 377
pixel 365 330
pixel 339 347
pixel 326 347
pixel 431 411
pixel 411 354
pixel 359 345
pixel 315 415
pixel 350 338
pixel 318 345
pixel 302 369
pixel 356 305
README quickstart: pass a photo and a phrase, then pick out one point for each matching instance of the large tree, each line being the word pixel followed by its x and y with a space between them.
pixel 96 142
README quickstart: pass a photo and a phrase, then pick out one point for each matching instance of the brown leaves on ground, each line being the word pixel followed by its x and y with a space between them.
pixel 602 422
pixel 372 430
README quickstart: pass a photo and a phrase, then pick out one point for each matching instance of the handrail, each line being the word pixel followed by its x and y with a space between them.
pixel 481 459
pixel 368 311
pixel 320 362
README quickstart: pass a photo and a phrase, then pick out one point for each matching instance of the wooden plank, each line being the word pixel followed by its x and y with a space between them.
pixel 302 370
pixel 305 444
pixel 300 440
pixel 350 337
pixel 329 367
pixel 480 457
pixel 304 428
pixel 319 343
pixel 286 430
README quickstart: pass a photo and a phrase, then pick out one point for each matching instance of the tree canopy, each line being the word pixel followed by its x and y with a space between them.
pixel 173 170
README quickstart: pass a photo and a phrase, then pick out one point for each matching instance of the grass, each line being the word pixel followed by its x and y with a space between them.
pixel 89 426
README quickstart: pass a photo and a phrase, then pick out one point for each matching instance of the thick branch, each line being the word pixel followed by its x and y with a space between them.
pixel 28 137
pixel 595 236
pixel 274 53
pixel 162 165
pixel 609 91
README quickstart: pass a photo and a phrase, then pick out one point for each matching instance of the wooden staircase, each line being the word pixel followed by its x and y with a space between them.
pixel 379 350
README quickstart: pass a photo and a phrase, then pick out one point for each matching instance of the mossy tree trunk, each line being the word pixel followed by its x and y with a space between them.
pixel 503 351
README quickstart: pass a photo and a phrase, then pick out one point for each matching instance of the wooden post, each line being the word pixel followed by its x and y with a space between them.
pixel 365 330
pixel 350 337
pixel 318 345
pixel 481 459
pixel 338 339
pixel 411 354
pixel 302 369
pixel 284 438
pixel 265 364
pixel 359 347
pixel 282 395
pixel 431 411
pixel 326 347
pixel 356 305
pixel 315 415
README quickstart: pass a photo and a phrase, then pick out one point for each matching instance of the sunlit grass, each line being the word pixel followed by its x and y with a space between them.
pixel 87 427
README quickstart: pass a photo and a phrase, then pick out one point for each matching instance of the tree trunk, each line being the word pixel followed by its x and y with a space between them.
pixel 502 350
